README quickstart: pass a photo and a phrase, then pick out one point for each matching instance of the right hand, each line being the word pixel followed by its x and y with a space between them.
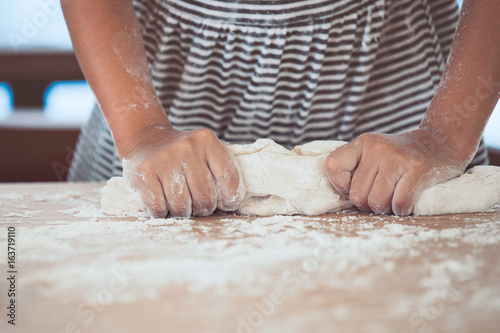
pixel 182 173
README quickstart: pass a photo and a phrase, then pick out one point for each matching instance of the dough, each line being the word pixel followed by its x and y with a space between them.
pixel 476 190
pixel 289 182
pixel 117 199
pixel 280 181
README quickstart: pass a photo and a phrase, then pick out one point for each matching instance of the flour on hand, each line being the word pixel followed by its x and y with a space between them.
pixel 290 182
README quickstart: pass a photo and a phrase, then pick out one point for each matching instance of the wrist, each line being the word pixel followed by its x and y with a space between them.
pixel 136 128
pixel 456 144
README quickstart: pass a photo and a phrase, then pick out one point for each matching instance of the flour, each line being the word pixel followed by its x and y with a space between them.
pixel 23 214
pixel 476 190
pixel 246 257
pixel 11 196
pixel 59 196
pixel 118 200
pixel 86 210
pixel 337 266
pixel 11 221
pixel 20 206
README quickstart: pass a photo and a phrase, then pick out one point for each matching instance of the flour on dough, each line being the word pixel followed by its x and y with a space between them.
pixel 117 199
pixel 280 181
pixel 476 190
pixel 289 182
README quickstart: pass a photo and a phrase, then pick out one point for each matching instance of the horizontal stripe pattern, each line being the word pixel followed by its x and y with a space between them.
pixel 293 71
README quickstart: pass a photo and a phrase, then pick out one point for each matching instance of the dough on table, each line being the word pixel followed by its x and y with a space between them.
pixel 289 182
pixel 474 191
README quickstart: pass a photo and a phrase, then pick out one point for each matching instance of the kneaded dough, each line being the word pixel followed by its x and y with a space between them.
pixel 280 181
pixel 118 199
pixel 290 182
pixel 476 190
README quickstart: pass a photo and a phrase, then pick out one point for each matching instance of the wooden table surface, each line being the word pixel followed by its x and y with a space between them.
pixel 78 270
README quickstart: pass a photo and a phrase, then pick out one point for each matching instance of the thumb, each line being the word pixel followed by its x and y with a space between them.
pixel 340 165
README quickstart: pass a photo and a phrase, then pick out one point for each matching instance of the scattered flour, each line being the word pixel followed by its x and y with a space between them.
pixel 87 210
pixel 21 206
pixel 247 256
pixel 11 196
pixel 393 264
pixel 24 214
pixel 59 196
pixel 322 262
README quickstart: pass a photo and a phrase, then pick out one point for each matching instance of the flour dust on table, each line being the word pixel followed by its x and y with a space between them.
pixel 341 272
pixel 294 182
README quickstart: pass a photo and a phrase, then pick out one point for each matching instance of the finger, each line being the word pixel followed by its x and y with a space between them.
pixel 154 198
pixel 203 190
pixel 339 167
pixel 151 192
pixel 177 194
pixel 404 196
pixel 226 171
pixel 381 194
pixel 361 185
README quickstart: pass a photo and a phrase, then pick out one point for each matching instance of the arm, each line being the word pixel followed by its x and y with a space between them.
pixel 385 173
pixel 470 86
pixel 180 172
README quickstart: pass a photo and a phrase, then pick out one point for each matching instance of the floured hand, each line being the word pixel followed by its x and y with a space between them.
pixel 183 173
pixel 280 181
pixel 387 173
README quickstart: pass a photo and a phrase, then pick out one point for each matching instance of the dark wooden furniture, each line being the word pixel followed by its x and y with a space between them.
pixel 29 74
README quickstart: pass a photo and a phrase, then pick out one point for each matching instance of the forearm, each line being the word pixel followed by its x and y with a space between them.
pixel 470 85
pixel 108 43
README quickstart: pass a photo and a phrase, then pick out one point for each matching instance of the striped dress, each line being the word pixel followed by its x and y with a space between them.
pixel 294 70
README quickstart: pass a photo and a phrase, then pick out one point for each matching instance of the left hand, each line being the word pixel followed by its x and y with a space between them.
pixel 386 173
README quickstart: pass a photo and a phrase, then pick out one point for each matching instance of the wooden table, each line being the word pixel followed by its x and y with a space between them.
pixel 78 270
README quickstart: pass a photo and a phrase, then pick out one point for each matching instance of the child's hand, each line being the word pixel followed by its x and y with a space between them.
pixel 387 173
pixel 183 172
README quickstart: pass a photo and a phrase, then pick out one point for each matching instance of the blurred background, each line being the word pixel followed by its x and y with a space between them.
pixel 44 99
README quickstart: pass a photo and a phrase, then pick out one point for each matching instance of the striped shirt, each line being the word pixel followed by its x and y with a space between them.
pixel 293 71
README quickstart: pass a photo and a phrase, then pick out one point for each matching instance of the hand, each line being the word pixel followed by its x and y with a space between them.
pixel 386 173
pixel 183 172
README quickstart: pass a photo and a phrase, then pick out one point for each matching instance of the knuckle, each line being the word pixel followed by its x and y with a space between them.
pixel 366 138
pixel 136 178
pixel 331 163
pixel 363 137
pixel 417 165
pixel 142 171
pixel 182 149
pixel 203 134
